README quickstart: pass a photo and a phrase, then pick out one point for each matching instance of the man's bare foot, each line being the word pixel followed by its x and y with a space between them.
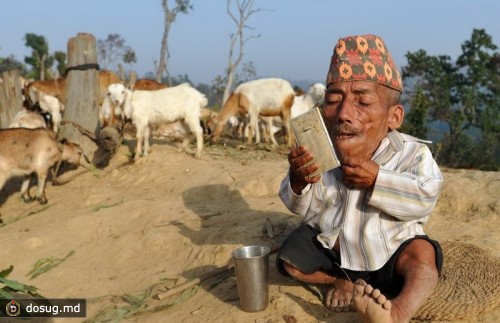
pixel 339 296
pixel 372 306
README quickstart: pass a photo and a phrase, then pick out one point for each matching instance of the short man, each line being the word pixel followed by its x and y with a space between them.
pixel 364 221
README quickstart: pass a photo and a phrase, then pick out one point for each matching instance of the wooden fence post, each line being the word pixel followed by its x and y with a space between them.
pixel 10 97
pixel 82 92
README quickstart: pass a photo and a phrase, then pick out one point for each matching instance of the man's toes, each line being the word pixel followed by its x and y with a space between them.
pixel 338 307
pixel 381 299
pixel 387 305
pixel 329 296
pixel 359 289
pixel 368 289
pixel 376 293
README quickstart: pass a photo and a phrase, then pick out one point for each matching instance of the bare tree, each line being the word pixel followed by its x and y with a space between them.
pixel 245 10
pixel 112 50
pixel 181 6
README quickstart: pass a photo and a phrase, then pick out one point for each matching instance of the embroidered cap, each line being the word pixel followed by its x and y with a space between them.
pixel 364 58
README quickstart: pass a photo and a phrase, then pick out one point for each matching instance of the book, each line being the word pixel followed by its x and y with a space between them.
pixel 310 131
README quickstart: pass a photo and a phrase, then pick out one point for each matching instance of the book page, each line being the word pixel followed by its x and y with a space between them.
pixel 310 131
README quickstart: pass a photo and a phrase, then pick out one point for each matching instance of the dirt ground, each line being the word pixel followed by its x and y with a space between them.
pixel 134 230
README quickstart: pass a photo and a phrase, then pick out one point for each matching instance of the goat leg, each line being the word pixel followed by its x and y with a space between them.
pixel 40 194
pixel 54 170
pixel 25 192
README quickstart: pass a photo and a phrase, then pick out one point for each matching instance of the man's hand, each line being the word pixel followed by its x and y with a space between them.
pixel 359 173
pixel 299 175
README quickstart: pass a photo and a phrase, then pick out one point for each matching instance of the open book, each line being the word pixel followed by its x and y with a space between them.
pixel 310 132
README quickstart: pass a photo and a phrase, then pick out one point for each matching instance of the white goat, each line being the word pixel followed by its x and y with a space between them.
pixel 301 103
pixel 109 112
pixel 28 119
pixel 49 104
pixel 305 102
pixel 263 97
pixel 180 130
pixel 153 108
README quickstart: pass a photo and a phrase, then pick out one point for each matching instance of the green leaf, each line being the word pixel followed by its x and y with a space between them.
pixel 45 264
pixel 13 284
pixel 6 272
pixel 97 208
pixel 4 294
pixel 17 286
pixel 134 299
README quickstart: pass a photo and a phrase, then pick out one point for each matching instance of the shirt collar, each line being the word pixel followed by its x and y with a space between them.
pixel 391 144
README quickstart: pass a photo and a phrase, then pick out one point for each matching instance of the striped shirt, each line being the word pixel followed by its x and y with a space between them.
pixel 372 224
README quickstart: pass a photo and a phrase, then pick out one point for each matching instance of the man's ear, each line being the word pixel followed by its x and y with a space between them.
pixel 396 116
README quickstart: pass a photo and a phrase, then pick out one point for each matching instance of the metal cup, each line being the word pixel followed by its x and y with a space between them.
pixel 251 264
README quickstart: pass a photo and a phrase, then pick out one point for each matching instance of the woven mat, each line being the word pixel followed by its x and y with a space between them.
pixel 469 284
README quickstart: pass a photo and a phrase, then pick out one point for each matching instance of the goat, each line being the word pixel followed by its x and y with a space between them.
pixel 146 84
pixel 305 102
pixel 28 119
pixel 25 151
pixel 108 113
pixel 180 130
pixel 47 103
pixel 263 97
pixel 302 102
pixel 57 87
pixel 153 108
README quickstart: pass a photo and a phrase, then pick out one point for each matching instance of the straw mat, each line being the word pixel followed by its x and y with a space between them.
pixel 469 284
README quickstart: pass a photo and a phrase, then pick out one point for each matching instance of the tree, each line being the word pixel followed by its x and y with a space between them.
pixel 245 10
pixel 464 96
pixel 40 60
pixel 181 78
pixel 114 50
pixel 248 72
pixel 181 6
pixel 60 58
pixel 11 63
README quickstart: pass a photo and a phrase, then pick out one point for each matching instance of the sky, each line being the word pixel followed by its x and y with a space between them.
pixel 296 36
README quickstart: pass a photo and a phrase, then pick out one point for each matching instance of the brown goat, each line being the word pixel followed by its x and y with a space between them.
pixel 26 151
pixel 149 85
pixel 57 87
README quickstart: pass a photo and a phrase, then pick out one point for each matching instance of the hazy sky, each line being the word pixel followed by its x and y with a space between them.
pixel 297 36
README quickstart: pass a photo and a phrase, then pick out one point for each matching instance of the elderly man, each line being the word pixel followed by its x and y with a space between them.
pixel 364 221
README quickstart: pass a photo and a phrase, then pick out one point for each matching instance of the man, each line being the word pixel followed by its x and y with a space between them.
pixel 364 221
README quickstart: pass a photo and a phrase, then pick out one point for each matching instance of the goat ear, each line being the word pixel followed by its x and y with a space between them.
pixel 104 110
pixel 128 95
pixel 127 102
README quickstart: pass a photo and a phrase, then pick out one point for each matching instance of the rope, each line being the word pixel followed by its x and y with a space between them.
pixel 469 284
pixel 82 67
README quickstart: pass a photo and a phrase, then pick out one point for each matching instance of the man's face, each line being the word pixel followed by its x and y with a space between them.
pixel 358 117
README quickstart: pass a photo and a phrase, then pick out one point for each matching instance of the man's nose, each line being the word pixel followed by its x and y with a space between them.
pixel 346 111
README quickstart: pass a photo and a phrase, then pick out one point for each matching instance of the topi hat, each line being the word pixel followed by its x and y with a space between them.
pixel 363 58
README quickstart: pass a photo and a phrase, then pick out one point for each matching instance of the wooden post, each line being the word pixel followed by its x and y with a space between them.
pixel 82 92
pixel 11 100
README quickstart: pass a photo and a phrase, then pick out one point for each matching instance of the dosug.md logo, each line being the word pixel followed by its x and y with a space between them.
pixel 13 308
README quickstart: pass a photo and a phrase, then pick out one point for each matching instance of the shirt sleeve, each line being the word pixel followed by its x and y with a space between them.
pixel 297 204
pixel 410 194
